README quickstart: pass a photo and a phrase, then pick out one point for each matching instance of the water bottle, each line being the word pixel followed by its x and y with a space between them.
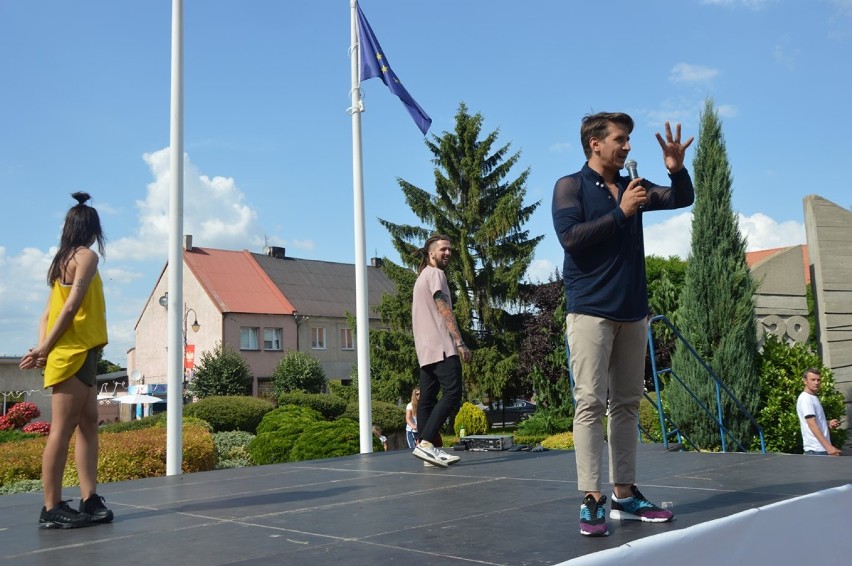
pixel 461 433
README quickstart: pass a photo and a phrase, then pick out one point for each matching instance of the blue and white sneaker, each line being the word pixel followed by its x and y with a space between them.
pixel 593 517
pixel 638 508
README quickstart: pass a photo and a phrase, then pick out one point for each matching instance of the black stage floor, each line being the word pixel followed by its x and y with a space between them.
pixel 386 508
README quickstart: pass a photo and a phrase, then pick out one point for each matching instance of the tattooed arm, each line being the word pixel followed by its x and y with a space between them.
pixel 443 303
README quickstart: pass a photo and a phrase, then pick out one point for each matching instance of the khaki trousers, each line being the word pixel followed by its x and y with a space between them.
pixel 607 360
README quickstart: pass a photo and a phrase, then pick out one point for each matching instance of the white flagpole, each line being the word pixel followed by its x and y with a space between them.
pixel 365 406
pixel 174 419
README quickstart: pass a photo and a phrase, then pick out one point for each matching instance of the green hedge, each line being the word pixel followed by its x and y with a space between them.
pixel 129 455
pixel 232 449
pixel 329 406
pixel 470 418
pixel 278 432
pixel 328 440
pixel 232 412
pixel 388 416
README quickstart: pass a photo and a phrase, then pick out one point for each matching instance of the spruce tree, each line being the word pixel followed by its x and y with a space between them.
pixel 716 313
pixel 483 213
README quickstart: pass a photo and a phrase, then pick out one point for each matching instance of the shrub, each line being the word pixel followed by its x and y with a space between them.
pixel 232 412
pixel 38 427
pixel 470 418
pixel 330 439
pixel 298 371
pixel 232 449
pixel 544 422
pixel 13 435
pixel 136 424
pixel 138 454
pixel 561 441
pixel 781 369
pixel 527 439
pixel 278 432
pixel 19 415
pixel 387 416
pixel 221 372
pixel 346 392
pixel 649 419
pixel 329 406
pixel 23 486
pixel 122 456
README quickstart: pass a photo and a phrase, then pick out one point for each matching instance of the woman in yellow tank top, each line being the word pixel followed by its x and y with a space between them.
pixel 72 331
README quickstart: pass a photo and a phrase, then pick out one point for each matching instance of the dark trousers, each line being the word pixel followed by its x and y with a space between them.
pixel 445 376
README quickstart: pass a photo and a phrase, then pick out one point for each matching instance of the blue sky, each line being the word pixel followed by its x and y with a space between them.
pixel 84 105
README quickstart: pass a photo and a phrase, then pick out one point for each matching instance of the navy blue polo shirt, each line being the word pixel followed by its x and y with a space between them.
pixel 604 266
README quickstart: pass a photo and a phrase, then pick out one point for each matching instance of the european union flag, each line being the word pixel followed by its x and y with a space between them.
pixel 374 64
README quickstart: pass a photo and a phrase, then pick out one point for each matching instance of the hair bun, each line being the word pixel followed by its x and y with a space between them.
pixel 81 197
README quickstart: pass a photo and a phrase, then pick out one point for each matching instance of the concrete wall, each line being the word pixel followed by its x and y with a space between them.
pixel 829 232
pixel 781 305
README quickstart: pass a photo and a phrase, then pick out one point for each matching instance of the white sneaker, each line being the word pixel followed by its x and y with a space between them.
pixel 428 453
pixel 450 458
pixel 428 464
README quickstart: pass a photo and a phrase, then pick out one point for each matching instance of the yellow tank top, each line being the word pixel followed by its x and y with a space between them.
pixel 88 330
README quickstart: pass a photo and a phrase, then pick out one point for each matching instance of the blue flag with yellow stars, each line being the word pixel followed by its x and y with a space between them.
pixel 375 64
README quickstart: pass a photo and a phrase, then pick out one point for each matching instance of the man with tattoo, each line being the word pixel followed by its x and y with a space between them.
pixel 440 350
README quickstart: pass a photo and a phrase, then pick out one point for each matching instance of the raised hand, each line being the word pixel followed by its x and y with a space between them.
pixel 673 150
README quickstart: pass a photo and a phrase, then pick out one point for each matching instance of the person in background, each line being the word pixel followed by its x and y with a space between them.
pixel 72 332
pixel 597 216
pixel 377 432
pixel 411 417
pixel 440 350
pixel 816 439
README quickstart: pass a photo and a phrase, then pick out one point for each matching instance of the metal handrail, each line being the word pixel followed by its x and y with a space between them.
pixel 718 385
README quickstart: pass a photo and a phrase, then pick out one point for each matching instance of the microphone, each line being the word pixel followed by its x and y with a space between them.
pixel 630 165
pixel 631 169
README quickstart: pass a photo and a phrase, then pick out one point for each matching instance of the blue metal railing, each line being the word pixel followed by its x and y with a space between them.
pixel 675 430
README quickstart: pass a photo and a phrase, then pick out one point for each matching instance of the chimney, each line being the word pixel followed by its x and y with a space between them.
pixel 277 252
pixel 187 242
pixel 376 262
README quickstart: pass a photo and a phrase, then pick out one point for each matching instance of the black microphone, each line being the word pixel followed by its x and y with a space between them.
pixel 630 165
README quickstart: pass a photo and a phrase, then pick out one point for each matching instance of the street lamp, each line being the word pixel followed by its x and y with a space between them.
pixel 164 302
pixel 195 327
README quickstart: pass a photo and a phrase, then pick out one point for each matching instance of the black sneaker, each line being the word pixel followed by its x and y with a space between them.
pixel 593 517
pixel 95 507
pixel 63 517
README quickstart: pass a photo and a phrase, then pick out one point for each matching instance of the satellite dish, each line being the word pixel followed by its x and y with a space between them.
pixel 136 376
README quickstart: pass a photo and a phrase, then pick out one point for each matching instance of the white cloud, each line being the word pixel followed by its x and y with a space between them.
pixel 673 236
pixel 764 233
pixel 669 237
pixel 215 213
pixel 686 73
pixel 540 271
pixel 303 244
pixel 561 147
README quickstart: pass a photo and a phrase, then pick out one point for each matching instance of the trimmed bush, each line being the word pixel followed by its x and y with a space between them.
pixel 649 419
pixel 122 456
pixel 328 440
pixel 528 439
pixel 278 432
pixel 561 441
pixel 15 435
pixel 470 418
pixel 329 406
pixel 23 486
pixel 233 412
pixel 388 416
pixel 544 422
pixel 348 393
pixel 298 371
pixel 232 449
pixel 136 424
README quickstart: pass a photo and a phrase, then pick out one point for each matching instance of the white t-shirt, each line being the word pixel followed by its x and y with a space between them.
pixel 806 406
pixel 410 407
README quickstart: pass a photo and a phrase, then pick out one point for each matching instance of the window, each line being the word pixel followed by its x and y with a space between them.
pixel 346 341
pixel 318 338
pixel 271 338
pixel 248 339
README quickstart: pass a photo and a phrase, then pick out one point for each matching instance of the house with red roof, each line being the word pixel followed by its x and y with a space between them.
pixel 261 305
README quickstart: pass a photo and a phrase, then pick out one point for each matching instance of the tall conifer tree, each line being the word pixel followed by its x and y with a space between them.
pixel 716 310
pixel 483 213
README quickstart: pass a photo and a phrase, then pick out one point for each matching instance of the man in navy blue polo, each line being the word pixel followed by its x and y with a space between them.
pixel 597 214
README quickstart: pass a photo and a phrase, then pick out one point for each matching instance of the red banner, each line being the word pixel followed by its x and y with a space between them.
pixel 189 357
